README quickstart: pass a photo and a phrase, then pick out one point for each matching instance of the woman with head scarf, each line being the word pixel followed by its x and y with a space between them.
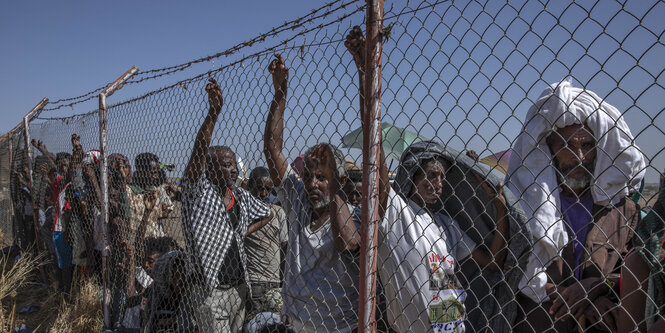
pixel 421 245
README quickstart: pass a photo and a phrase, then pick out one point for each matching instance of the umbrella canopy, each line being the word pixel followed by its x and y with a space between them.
pixel 498 161
pixel 395 139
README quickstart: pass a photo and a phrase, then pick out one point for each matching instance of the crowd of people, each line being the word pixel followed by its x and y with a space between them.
pixel 562 246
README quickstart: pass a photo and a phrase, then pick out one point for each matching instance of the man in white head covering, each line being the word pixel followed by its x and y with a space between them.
pixel 573 165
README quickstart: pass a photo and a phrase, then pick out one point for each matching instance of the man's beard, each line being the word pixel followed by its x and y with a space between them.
pixel 563 174
pixel 323 202
pixel 577 184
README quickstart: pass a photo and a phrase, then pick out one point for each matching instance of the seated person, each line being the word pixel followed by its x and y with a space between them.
pixel 170 305
pixel 574 165
pixel 154 249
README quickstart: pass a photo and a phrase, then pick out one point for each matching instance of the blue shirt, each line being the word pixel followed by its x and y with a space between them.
pixel 577 212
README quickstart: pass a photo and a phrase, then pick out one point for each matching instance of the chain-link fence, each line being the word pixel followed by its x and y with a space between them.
pixel 522 150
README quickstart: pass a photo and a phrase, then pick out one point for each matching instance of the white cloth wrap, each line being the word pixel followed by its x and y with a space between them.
pixel 619 169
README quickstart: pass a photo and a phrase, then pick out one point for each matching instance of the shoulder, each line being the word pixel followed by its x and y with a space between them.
pixel 247 199
pixel 193 186
pixel 277 210
pixel 243 194
pixel 614 224
pixel 291 181
pixel 200 180
pixel 395 200
pixel 625 212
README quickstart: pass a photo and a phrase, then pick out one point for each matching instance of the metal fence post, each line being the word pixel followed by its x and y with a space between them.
pixel 28 159
pixel 12 209
pixel 10 158
pixel 370 180
pixel 108 91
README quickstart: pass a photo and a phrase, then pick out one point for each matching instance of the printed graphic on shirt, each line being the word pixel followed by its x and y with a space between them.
pixel 446 307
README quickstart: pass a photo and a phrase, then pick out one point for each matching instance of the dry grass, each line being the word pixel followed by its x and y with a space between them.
pixel 17 289
pixel 4 240
pixel 14 277
pixel 84 315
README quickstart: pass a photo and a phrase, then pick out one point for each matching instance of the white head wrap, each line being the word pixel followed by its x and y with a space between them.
pixel 619 166
pixel 91 157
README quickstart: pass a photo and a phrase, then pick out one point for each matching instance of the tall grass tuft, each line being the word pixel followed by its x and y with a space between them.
pixel 14 276
pixel 84 314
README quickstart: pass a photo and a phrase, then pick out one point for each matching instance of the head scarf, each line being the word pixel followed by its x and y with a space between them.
pixel 91 157
pixel 161 290
pixel 619 165
pixel 465 201
pixel 411 161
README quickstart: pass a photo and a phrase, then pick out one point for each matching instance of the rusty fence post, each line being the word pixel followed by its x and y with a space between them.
pixel 108 91
pixel 10 158
pixel 28 159
pixel 370 181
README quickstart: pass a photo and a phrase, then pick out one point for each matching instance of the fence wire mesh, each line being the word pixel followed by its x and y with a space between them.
pixel 518 183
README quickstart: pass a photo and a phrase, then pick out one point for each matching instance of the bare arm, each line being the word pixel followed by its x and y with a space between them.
pixel 21 178
pixel 44 170
pixel 274 133
pixel 355 43
pixel 345 233
pixel 77 158
pixel 42 148
pixel 149 201
pixel 633 294
pixel 252 228
pixel 91 176
pixel 197 160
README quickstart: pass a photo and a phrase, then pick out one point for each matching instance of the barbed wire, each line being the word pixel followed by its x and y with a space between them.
pixel 264 52
pixel 290 25
pixel 275 31
pixel 271 49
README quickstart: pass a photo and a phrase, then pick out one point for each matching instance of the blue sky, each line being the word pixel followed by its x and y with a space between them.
pixel 463 73
pixel 61 49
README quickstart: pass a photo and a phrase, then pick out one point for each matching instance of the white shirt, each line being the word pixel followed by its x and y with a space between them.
pixel 320 287
pixel 417 257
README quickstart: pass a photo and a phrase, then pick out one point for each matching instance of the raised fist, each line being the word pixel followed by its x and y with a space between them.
pixel 77 150
pixel 38 144
pixel 279 71
pixel 215 98
pixel 76 140
pixel 355 43
pixel 149 200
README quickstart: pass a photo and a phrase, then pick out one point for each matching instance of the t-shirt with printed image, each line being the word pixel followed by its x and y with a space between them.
pixel 419 252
